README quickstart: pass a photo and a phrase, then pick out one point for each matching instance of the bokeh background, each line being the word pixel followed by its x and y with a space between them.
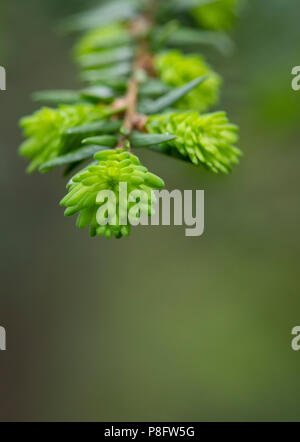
pixel 158 326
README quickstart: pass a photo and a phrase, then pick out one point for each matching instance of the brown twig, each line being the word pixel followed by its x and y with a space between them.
pixel 131 103
pixel 143 61
pixel 132 96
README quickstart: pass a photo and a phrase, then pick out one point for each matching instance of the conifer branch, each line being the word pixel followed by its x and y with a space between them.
pixel 148 87
pixel 139 29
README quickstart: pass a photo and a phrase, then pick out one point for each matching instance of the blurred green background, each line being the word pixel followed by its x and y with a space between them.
pixel 158 326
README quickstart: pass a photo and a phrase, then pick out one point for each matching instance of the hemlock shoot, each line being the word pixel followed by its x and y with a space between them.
pixel 146 86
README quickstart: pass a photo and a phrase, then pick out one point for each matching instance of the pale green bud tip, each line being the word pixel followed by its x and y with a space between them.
pixel 207 139
pixel 218 15
pixel 176 69
pixel 102 38
pixel 113 167
pixel 45 131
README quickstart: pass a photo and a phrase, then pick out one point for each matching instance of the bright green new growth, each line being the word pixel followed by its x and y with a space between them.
pixel 176 69
pixel 113 167
pixel 46 128
pixel 218 15
pixel 138 59
pixel 103 38
pixel 207 139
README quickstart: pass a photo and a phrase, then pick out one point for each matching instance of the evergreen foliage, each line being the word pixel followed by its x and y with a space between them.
pixel 112 168
pixel 147 85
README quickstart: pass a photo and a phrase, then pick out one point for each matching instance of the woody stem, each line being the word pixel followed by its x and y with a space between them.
pixel 143 61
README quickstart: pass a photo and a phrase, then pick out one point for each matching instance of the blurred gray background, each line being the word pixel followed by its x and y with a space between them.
pixel 158 326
